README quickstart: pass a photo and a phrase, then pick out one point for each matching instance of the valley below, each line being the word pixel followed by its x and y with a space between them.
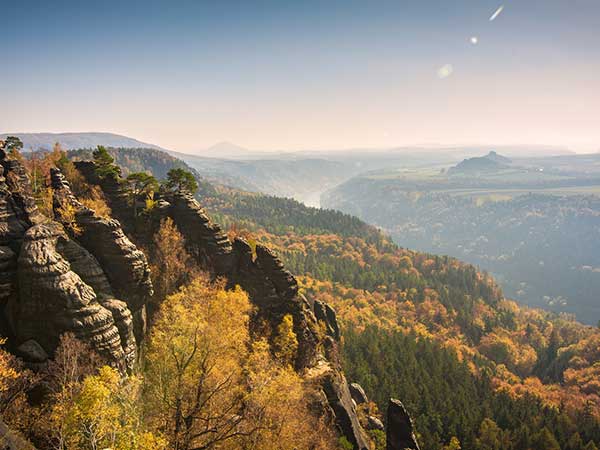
pixel 534 223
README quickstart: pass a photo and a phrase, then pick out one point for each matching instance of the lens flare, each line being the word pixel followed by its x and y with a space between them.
pixel 496 13
pixel 445 71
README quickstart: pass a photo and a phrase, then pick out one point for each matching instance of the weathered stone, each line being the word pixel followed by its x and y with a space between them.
pixel 8 288
pixel 124 323
pixel 373 423
pixel 338 394
pixel 400 429
pixel 284 282
pixel 53 299
pixel 17 207
pixel 32 351
pixel 17 214
pixel 125 266
pixel 12 440
pixel 325 313
pixel 358 393
pixel 21 202
pixel 205 240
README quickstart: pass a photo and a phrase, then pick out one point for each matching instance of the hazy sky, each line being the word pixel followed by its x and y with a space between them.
pixel 305 74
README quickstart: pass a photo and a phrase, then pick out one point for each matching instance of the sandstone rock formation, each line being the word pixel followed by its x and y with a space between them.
pixel 123 263
pixel 53 299
pixel 50 284
pixel 326 314
pixel 259 272
pixel 338 394
pixel 400 430
pixel 10 440
pixel 205 240
pixel 93 281
pixel 17 213
pixel 375 424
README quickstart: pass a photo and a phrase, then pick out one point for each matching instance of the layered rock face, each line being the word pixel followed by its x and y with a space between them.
pixel 17 214
pixel 204 239
pixel 50 284
pixel 338 395
pixel 123 263
pixel 54 299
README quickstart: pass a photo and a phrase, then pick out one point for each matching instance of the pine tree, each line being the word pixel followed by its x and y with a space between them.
pixel 105 166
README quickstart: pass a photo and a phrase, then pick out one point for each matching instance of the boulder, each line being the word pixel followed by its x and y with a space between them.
pixel 373 423
pixel 32 351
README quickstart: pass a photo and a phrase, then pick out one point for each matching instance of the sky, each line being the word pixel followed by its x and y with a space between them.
pixel 298 75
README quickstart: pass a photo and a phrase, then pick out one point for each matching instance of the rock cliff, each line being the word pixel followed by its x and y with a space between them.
pixel 52 282
pixel 54 299
pixel 272 289
pixel 125 266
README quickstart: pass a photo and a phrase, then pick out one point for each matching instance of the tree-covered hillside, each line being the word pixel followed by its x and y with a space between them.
pixel 536 230
pixel 436 332
pixel 472 366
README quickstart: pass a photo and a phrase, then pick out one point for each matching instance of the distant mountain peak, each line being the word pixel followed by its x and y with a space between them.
pixel 492 155
pixel 225 148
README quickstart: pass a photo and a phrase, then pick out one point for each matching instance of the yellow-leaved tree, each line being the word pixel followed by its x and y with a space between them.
pixel 15 382
pixel 285 342
pixel 278 406
pixel 92 408
pixel 194 365
pixel 170 264
pixel 207 386
pixel 105 414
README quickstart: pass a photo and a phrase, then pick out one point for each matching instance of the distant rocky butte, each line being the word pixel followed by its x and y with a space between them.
pixel 490 162
pixel 95 283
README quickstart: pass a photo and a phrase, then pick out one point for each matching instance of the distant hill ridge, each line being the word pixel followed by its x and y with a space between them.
pixel 71 141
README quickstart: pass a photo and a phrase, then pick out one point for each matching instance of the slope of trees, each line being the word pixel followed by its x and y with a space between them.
pixel 523 367
pixel 448 401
